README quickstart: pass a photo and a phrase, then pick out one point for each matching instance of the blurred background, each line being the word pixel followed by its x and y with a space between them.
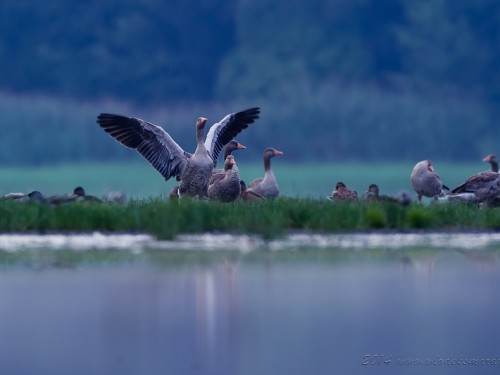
pixel 339 82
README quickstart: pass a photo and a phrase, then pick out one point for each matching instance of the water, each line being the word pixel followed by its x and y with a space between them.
pixel 304 305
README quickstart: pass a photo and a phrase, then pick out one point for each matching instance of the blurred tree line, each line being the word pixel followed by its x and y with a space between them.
pixel 336 79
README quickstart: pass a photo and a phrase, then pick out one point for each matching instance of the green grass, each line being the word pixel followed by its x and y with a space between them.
pixel 301 207
pixel 166 219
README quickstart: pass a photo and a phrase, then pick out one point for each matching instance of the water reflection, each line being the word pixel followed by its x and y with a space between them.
pixel 295 311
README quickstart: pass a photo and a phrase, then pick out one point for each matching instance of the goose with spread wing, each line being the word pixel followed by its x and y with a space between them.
pixel 170 159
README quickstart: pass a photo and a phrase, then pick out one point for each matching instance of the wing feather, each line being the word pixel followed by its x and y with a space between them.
pixel 149 140
pixel 222 132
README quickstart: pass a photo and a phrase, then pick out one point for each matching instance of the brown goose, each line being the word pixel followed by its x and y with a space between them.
pixel 342 193
pixel 249 195
pixel 233 145
pixel 483 188
pixel 225 187
pixel 266 186
pixel 159 148
pixel 493 162
pixel 425 181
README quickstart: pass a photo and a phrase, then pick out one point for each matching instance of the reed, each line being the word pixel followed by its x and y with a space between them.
pixel 270 219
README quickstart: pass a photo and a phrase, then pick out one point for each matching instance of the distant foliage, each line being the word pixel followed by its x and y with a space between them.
pixel 147 50
pixel 336 80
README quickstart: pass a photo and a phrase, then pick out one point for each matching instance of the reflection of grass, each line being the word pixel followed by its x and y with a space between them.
pixel 270 219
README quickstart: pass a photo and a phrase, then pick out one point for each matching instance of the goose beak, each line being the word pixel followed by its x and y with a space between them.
pixel 239 146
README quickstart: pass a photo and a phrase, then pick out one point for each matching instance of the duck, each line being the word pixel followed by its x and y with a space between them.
pixel 78 195
pixel 493 162
pixel 225 187
pixel 342 193
pixel 167 157
pixel 267 186
pixel 373 195
pixel 425 181
pixel 34 196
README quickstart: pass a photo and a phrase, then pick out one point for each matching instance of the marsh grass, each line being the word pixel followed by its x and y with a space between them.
pixel 166 219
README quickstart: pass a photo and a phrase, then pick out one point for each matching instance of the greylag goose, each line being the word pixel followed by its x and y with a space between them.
pixel 425 180
pixel 373 195
pixel 482 188
pixel 493 162
pixel 267 186
pixel 233 145
pixel 342 193
pixel 167 157
pixel 225 187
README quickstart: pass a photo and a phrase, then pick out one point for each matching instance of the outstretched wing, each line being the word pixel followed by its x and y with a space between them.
pixel 151 141
pixel 225 130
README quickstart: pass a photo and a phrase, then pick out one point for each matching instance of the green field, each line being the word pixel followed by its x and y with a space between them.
pixel 140 180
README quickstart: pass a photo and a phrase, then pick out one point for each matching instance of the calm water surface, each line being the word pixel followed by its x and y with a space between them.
pixel 254 308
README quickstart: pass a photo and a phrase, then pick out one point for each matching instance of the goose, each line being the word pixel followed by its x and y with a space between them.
pixel 482 188
pixel 425 180
pixel 493 162
pixel 248 195
pixel 342 193
pixel 167 157
pixel 266 186
pixel 225 187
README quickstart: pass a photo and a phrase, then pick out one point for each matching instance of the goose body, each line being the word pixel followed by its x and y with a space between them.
pixel 233 145
pixel 267 186
pixel 425 180
pixel 249 195
pixel 225 187
pixel 167 157
pixel 483 187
